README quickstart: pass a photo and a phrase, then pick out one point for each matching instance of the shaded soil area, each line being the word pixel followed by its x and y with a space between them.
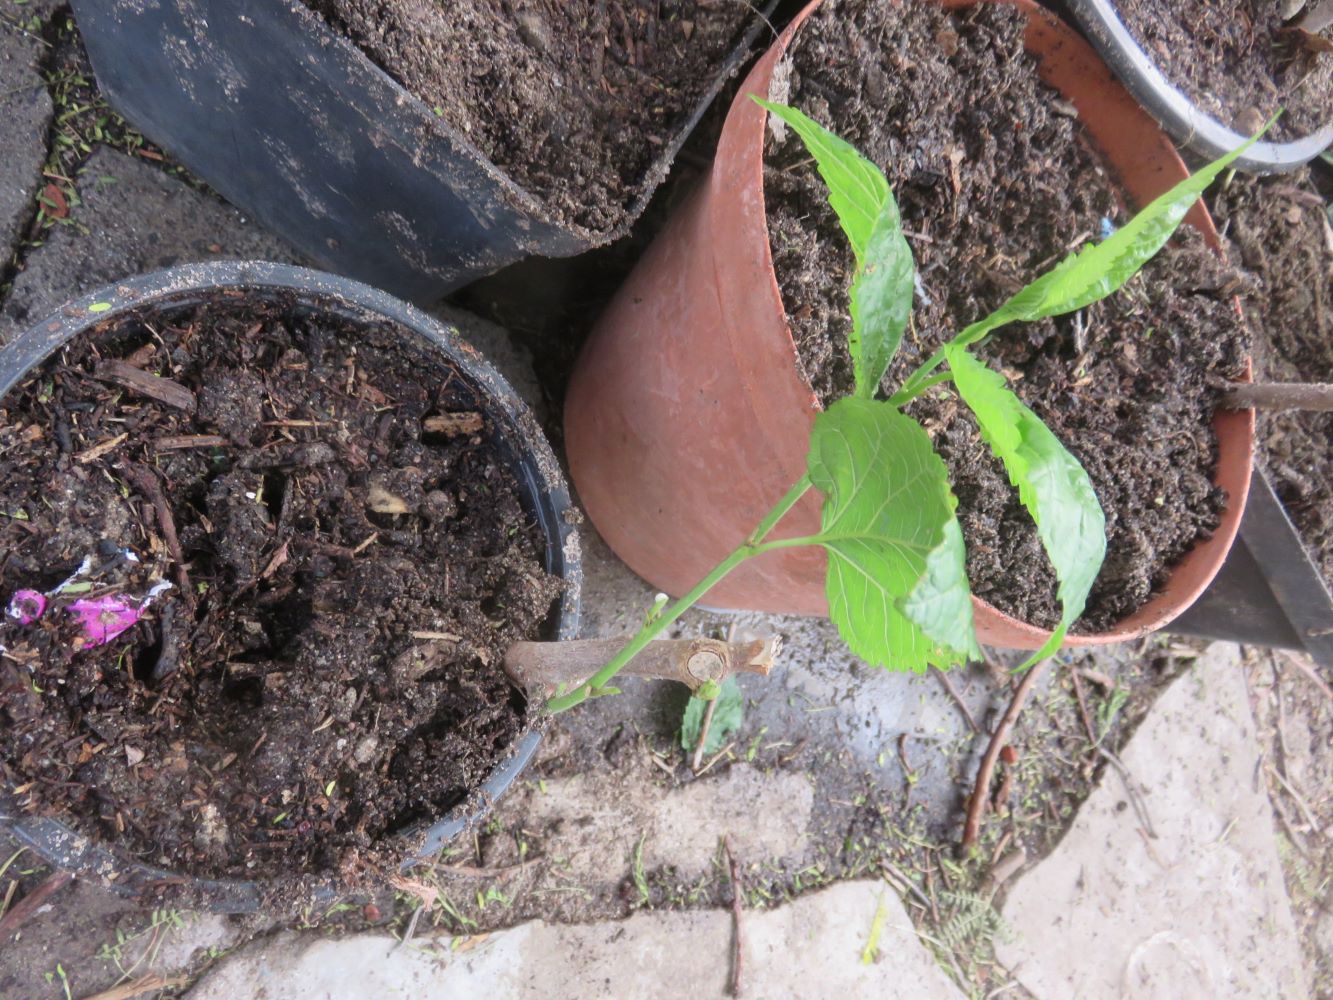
pixel 977 150
pixel 1279 232
pixel 1235 61
pixel 573 100
pixel 326 557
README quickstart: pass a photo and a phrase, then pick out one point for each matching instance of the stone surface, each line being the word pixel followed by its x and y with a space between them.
pixel 131 218
pixel 596 832
pixel 1187 900
pixel 809 948
pixel 25 116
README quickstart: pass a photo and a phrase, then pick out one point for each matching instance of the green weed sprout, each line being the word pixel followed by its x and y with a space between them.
pixel 897 585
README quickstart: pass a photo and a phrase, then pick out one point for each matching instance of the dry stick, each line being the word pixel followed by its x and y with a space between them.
pixel 977 804
pixel 958 699
pixel 704 726
pixel 32 902
pixel 1281 396
pixel 150 983
pixel 737 941
pixel 145 481
pixel 1291 658
pixel 1083 706
pixel 534 665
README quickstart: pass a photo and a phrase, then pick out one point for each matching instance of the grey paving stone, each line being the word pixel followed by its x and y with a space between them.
pixel 131 218
pixel 597 828
pixel 25 116
pixel 811 948
pixel 1181 895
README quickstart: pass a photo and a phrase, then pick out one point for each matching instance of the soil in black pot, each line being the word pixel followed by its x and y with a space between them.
pixel 572 98
pixel 997 182
pixel 323 668
pixel 1238 61
pixel 1280 235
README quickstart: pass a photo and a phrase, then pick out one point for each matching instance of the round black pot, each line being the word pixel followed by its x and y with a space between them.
pixel 1188 124
pixel 516 435
pixel 291 122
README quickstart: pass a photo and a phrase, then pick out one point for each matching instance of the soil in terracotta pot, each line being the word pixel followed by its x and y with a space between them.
pixel 1237 62
pixel 997 182
pixel 572 98
pixel 356 560
pixel 1279 233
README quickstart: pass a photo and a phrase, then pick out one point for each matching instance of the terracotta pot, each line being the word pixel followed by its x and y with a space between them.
pixel 686 419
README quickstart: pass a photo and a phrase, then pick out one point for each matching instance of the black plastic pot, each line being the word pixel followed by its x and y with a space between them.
pixel 1188 124
pixel 1269 591
pixel 295 125
pixel 516 435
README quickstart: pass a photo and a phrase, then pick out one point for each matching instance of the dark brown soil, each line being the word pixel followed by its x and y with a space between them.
pixel 352 575
pixel 574 99
pixel 1281 236
pixel 977 151
pixel 1233 59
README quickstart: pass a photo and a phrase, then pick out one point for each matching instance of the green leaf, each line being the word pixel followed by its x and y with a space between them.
pixel 897 584
pixel 726 717
pixel 1097 270
pixel 1051 484
pixel 881 292
pixel 857 188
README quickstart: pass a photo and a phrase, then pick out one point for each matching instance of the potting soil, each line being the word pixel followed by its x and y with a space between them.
pixel 1280 234
pixel 321 560
pixel 573 100
pixel 1239 61
pixel 996 183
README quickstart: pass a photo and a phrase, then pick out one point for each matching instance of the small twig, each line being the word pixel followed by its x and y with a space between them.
pixel 704 726
pixel 471 871
pixel 1135 797
pixel 737 939
pixel 976 806
pixel 24 909
pixel 145 481
pixel 150 983
pixel 1309 671
pixel 958 699
pixel 1298 798
pixel 184 442
pixel 1083 707
pixel 1281 396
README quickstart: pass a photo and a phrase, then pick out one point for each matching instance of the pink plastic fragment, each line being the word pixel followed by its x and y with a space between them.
pixel 104 618
pixel 26 606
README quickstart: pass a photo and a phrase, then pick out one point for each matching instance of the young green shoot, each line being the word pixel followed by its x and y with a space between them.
pixel 896 584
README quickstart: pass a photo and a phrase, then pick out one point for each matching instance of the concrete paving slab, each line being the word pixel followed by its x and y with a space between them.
pixel 1175 890
pixel 131 218
pixel 766 815
pixel 25 117
pixel 811 948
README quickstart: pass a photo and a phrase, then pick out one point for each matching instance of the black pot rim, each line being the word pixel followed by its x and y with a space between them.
pixel 540 477
pixel 1197 131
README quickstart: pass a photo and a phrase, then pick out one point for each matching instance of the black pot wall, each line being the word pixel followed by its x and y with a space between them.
pixel 516 435
pixel 1269 591
pixel 296 126
pixel 1188 124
